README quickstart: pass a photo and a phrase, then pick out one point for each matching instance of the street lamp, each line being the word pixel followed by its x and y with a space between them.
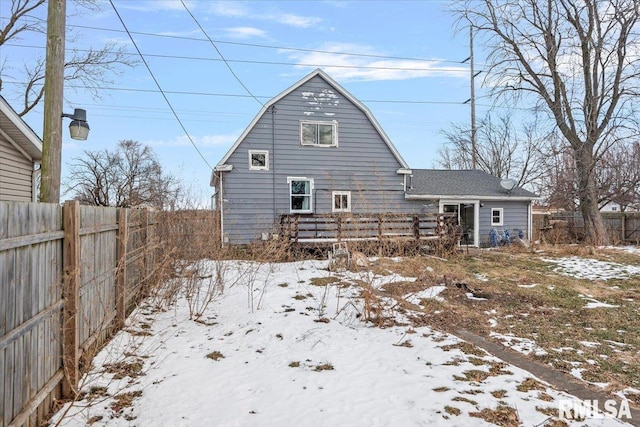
pixel 79 128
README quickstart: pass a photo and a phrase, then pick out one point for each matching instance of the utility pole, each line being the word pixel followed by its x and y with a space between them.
pixel 53 90
pixel 473 101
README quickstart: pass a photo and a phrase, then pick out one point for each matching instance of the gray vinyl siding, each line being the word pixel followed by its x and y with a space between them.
pixel 361 163
pixel 515 217
pixel 16 174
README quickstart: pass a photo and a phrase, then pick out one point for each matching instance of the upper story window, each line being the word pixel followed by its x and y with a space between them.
pixel 319 134
pixel 496 216
pixel 258 160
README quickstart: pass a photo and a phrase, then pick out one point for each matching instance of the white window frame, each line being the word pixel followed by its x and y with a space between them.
pixel 266 158
pixel 501 213
pixel 333 200
pixel 290 179
pixel 334 133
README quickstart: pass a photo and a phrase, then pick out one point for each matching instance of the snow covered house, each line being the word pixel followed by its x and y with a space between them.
pixel 20 153
pixel 315 150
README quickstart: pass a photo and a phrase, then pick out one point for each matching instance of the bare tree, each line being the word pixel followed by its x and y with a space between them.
pixel 618 176
pixel 90 67
pixel 579 61
pixel 502 150
pixel 129 176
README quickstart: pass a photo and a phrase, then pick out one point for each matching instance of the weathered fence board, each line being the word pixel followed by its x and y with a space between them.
pixel 563 227
pixel 44 247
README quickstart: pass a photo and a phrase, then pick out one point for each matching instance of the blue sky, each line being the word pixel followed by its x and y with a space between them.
pixel 400 58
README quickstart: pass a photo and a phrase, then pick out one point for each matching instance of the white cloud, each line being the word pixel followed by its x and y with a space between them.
pixel 294 20
pixel 240 10
pixel 231 9
pixel 158 5
pixel 354 67
pixel 244 32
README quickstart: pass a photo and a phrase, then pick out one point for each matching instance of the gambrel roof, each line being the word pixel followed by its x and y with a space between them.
pixel 461 184
pixel 18 133
pixel 317 73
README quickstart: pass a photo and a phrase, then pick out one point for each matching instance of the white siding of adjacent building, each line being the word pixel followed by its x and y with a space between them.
pixel 16 174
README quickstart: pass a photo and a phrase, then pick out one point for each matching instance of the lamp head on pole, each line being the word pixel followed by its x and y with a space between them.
pixel 78 128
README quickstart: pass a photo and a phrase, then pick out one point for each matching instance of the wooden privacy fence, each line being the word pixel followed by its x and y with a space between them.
pixel 193 234
pixel 68 277
pixel 382 226
pixel 564 227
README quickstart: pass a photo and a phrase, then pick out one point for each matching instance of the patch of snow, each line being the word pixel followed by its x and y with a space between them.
pixel 266 357
pixel 589 344
pixel 482 277
pixel 592 269
pixel 475 298
pixel 594 303
pixel 431 292
pixel 521 345
pixel 533 285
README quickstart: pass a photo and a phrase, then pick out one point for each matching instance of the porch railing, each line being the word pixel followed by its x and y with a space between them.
pixel 300 228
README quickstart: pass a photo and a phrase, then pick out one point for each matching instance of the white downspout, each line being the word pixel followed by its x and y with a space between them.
pixel 529 221
pixel 34 182
pixel 221 196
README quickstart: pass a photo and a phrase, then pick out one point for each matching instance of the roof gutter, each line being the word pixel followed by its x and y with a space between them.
pixel 467 196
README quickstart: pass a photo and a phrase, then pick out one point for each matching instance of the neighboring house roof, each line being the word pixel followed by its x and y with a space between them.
pixel 461 184
pixel 337 87
pixel 18 133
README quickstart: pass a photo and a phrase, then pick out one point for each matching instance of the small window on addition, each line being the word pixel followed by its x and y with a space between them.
pixel 258 160
pixel 496 216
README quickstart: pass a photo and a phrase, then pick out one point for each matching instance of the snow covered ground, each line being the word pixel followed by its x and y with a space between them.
pixel 286 345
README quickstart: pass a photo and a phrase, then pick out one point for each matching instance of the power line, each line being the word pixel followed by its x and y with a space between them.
pixel 260 45
pixel 247 61
pixel 159 87
pixel 229 95
pixel 267 46
pixel 220 53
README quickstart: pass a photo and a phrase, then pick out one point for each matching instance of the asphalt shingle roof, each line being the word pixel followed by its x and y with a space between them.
pixel 446 183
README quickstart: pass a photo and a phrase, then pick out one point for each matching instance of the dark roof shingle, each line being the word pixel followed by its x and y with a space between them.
pixel 445 183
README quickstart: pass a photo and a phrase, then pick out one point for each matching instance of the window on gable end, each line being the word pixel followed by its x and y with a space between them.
pixel 258 160
pixel 319 134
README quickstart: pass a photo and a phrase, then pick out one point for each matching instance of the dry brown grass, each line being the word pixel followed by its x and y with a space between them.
pixel 529 300
pixel 504 416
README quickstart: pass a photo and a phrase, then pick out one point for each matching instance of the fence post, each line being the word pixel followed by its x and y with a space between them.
pixel 121 272
pixel 416 227
pixel 71 296
pixel 149 249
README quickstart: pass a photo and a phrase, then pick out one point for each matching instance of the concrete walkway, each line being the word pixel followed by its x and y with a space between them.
pixel 559 380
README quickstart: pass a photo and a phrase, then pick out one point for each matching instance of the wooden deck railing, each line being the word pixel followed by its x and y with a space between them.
pixel 301 228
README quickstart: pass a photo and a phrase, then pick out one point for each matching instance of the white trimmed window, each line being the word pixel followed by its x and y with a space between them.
pixel 319 134
pixel 259 160
pixel 496 216
pixel 341 201
pixel 300 190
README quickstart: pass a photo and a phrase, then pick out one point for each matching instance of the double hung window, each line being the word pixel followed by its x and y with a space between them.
pixel 300 190
pixel 320 134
